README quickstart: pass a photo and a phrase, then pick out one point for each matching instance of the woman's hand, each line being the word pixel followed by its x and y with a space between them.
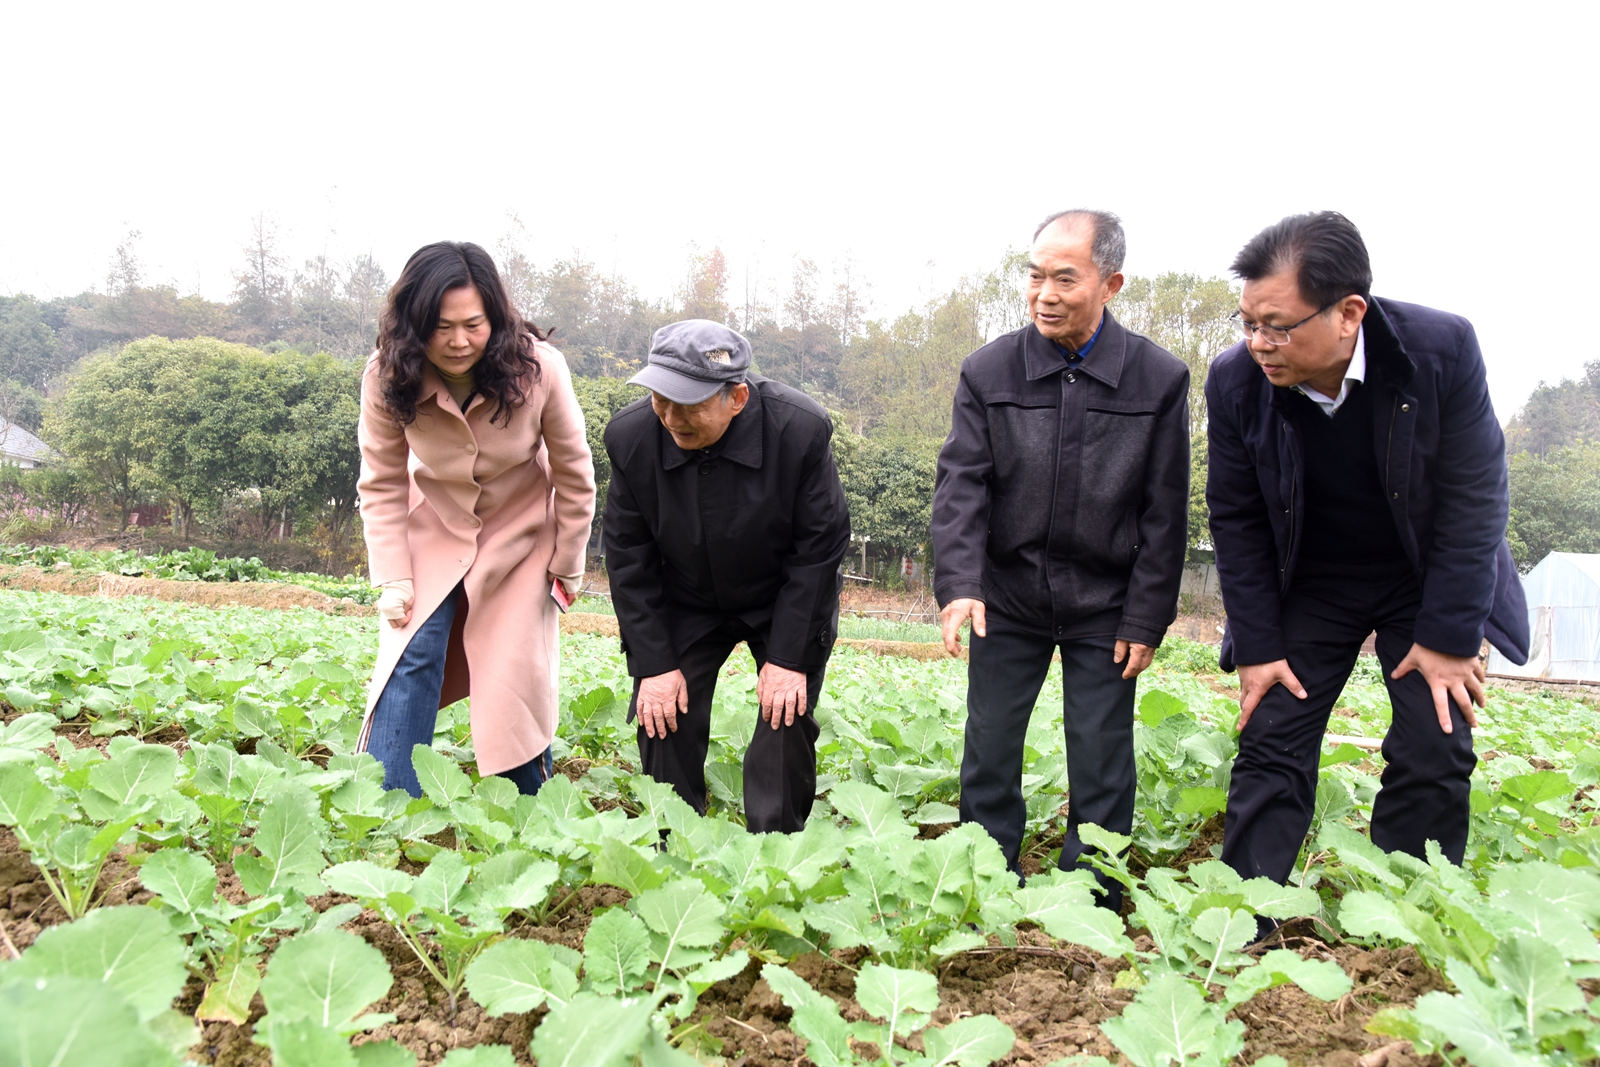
pixel 394 603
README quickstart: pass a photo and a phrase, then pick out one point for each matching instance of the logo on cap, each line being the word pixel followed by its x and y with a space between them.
pixel 720 355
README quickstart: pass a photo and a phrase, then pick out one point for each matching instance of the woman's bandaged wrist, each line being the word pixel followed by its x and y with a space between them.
pixel 395 600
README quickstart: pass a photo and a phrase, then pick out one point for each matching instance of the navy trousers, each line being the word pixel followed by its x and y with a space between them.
pixel 1327 614
pixel 1004 674
pixel 408 708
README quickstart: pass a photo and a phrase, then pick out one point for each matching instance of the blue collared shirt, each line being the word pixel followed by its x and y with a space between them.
pixel 1076 357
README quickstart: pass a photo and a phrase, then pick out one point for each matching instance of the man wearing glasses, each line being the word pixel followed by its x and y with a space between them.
pixel 1357 483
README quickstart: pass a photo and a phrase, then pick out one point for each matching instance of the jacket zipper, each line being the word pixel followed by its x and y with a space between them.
pixel 1055 491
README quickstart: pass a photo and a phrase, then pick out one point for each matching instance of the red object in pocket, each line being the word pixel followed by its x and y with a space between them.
pixel 558 593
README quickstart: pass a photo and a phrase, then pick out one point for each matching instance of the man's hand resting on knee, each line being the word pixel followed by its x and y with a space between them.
pixel 1460 677
pixel 662 698
pixel 957 612
pixel 782 694
pixel 1256 678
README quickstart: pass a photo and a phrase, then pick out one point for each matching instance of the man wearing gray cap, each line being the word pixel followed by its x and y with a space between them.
pixel 724 522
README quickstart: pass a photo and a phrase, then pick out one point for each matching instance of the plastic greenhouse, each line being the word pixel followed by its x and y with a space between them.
pixel 1563 620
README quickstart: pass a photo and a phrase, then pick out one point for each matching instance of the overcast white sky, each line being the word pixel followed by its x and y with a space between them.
pixel 921 138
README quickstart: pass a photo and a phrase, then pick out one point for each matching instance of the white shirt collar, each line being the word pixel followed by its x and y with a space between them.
pixel 1356 372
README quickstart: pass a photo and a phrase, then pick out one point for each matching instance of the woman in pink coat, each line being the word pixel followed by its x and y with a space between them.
pixel 477 491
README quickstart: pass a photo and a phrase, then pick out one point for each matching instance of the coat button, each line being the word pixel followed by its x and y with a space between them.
pixel 472 450
pixel 1405 407
pixel 475 521
pixel 1397 496
pixel 1072 377
pixel 707 468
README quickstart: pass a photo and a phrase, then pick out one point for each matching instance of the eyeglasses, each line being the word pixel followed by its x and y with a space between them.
pixel 1273 335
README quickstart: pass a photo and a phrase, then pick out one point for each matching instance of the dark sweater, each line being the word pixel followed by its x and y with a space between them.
pixel 1347 518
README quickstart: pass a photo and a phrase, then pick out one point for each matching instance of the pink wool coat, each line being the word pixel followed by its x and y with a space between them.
pixel 455 498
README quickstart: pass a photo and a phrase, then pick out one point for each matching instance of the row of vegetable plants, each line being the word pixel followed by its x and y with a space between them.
pixel 265 707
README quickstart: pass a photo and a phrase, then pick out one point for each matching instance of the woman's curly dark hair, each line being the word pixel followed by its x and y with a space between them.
pixel 412 314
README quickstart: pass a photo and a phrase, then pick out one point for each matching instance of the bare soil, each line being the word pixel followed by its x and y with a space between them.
pixel 280 595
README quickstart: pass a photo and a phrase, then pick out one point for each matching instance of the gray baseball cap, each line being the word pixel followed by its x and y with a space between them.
pixel 692 359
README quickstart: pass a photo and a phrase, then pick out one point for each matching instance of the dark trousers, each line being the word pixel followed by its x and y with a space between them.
pixel 408 708
pixel 780 766
pixel 1004 674
pixel 1327 614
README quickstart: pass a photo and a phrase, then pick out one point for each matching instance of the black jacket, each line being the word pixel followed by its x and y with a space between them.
pixel 753 531
pixel 1062 497
pixel 1443 460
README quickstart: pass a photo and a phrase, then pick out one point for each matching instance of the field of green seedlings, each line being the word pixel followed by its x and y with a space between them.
pixel 199 868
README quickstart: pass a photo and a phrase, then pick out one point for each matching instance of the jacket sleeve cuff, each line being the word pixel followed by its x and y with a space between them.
pixel 1136 632
pixel 1258 648
pixel 956 588
pixel 1450 640
pixel 648 665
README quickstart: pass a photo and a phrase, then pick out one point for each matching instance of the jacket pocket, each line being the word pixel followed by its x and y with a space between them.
pixel 1022 441
pixel 1116 451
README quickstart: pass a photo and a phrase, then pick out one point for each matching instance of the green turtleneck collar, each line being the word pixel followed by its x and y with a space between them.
pixel 460 385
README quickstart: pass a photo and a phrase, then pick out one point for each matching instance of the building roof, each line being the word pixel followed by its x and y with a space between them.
pixel 18 445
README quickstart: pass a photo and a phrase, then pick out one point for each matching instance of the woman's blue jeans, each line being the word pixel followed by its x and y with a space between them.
pixel 408 709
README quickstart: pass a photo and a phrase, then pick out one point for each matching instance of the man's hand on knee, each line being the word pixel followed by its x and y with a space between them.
pixel 1137 655
pixel 662 698
pixel 957 612
pixel 1255 679
pixel 782 694
pixel 1458 677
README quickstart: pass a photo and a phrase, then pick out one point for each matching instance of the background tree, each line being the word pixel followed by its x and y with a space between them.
pixel 516 267
pixel 366 287
pixel 801 307
pixel 321 319
pixel 152 396
pixel 262 297
pixel 100 424
pixel 29 348
pixel 889 487
pixel 1555 503
pixel 1189 316
pixel 1558 415
pixel 845 311
pixel 601 398
pixel 705 287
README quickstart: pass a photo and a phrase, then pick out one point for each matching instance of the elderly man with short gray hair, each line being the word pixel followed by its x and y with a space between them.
pixel 1060 522
pixel 725 522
